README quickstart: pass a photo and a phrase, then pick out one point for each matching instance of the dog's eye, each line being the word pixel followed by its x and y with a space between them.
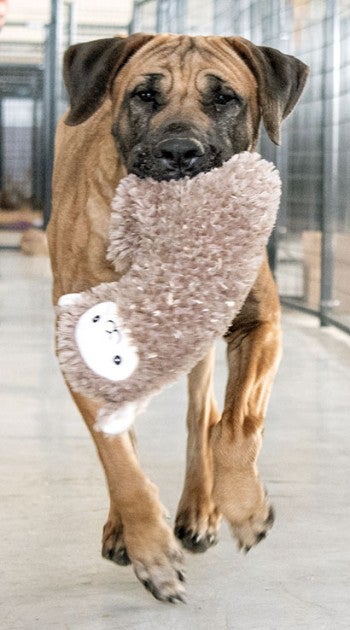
pixel 147 96
pixel 222 99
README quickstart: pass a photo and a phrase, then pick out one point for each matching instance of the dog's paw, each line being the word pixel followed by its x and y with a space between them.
pixel 113 546
pixel 158 563
pixel 165 580
pixel 238 491
pixel 245 505
pixel 197 523
pixel 250 532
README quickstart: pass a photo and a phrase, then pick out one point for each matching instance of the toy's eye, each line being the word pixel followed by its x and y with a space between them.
pixel 117 359
pixel 96 318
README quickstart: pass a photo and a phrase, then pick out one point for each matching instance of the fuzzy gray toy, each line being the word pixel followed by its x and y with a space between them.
pixel 191 250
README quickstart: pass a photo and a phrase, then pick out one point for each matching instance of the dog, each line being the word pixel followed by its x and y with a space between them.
pixel 166 107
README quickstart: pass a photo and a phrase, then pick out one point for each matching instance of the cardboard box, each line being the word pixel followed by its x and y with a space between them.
pixel 311 252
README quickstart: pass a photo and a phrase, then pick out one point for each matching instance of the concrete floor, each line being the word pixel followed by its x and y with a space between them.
pixel 54 502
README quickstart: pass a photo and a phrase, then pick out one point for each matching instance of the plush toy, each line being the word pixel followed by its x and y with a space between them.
pixel 190 250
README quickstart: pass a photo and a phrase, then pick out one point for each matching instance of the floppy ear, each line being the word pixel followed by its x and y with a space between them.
pixel 281 79
pixel 89 69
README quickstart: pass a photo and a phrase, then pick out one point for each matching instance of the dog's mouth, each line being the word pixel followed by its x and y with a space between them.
pixel 174 158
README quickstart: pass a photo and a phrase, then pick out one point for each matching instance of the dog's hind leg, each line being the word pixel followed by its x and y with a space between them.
pixel 197 519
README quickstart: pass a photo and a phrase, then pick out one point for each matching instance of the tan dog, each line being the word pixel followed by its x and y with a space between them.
pixel 167 106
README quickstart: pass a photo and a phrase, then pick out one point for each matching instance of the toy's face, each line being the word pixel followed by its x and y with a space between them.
pixel 103 345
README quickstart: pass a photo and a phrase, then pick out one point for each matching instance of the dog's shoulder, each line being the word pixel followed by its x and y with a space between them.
pixel 86 172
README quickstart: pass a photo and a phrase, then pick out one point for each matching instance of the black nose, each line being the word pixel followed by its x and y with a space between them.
pixel 179 154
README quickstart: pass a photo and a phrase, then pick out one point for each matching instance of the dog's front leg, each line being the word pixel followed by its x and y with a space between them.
pixel 253 356
pixel 197 519
pixel 136 530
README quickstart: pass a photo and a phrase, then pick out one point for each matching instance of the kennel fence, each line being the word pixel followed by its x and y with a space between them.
pixel 32 97
pixel 21 139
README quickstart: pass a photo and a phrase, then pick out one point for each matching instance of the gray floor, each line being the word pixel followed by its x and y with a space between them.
pixel 54 502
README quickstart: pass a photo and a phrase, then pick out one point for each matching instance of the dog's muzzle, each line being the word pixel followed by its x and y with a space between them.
pixel 178 157
pixel 173 157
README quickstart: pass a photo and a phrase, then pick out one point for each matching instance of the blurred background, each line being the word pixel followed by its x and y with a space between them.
pixel 310 247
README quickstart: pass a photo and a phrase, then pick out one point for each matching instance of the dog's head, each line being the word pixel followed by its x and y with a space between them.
pixel 182 105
